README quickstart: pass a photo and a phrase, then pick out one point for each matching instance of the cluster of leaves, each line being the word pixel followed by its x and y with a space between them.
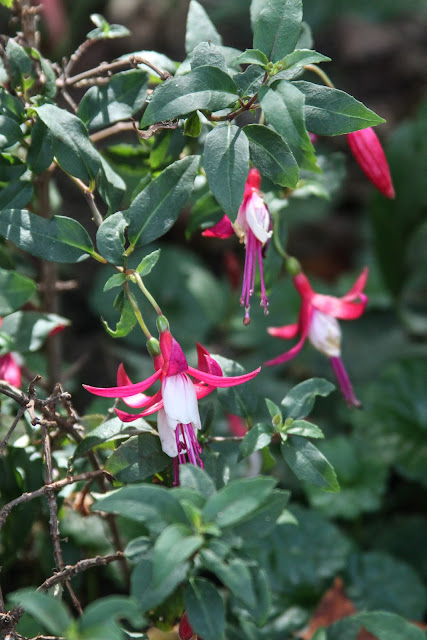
pixel 222 547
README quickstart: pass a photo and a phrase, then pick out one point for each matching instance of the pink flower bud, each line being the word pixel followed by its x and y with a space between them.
pixel 369 153
pixel 185 631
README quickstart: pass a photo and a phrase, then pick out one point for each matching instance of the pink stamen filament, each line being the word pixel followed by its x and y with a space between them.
pixel 344 382
pixel 186 443
pixel 253 252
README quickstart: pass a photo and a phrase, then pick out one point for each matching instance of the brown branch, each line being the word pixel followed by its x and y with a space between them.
pixel 152 129
pixel 119 127
pixel 19 415
pixel 83 565
pixel 54 486
pixel 110 67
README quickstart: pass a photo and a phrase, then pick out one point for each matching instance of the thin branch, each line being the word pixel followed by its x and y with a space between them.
pixel 77 55
pixel 83 565
pixel 54 486
pixel 119 127
pixel 110 67
pixel 19 415
pixel 224 439
pixel 96 215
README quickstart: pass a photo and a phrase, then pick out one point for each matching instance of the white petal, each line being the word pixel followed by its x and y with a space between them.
pixel 258 218
pixel 166 434
pixel 325 334
pixel 180 400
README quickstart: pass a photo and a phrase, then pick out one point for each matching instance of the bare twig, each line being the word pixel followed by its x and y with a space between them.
pixel 119 127
pixel 83 565
pixel 77 55
pixel 61 285
pixel 19 415
pixel 110 67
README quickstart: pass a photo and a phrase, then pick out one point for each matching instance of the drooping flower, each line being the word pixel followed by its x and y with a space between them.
pixel 253 228
pixel 178 418
pixel 10 371
pixel 369 154
pixel 318 322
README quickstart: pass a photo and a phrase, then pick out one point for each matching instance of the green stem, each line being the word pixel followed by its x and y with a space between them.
pixel 146 293
pixel 136 311
pixel 324 76
pixel 276 238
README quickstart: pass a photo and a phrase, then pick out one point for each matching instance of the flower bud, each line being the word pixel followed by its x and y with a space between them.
pixel 162 324
pixel 293 266
pixel 185 631
pixel 369 153
pixel 153 347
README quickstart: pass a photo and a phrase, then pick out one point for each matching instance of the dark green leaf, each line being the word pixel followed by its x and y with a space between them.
pixel 283 105
pixel 252 56
pixel 11 106
pixel 263 597
pixel 388 626
pixel 127 317
pixel 29 329
pixel 148 263
pixel 192 477
pixel 261 522
pixel 40 153
pixel 15 290
pixel 70 142
pixel 207 53
pixel 116 280
pixel 175 545
pixel 309 464
pixel 153 505
pixel 142 587
pixel 300 400
pixel 240 400
pixel 205 609
pixel 305 429
pixel 137 459
pixel 378 581
pixel 277 28
pixel 295 61
pixel 257 438
pixel 237 500
pixel 20 65
pixel 57 239
pixel 120 99
pixel 249 82
pixel 110 238
pixel 331 112
pixel 10 132
pixel 11 167
pixel 233 573
pixel 226 162
pixel 199 28
pixel 204 88
pixel 110 186
pixel 112 429
pixel 156 208
pixel 16 195
pixel 271 155
pixel 49 611
pixel 106 611
pixel 139 549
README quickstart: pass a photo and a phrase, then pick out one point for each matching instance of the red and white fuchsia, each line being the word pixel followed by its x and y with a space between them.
pixel 318 322
pixel 253 228
pixel 369 153
pixel 178 418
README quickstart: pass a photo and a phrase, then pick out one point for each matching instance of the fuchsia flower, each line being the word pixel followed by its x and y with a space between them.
pixel 369 153
pixel 253 228
pixel 185 632
pixel 10 371
pixel 178 417
pixel 317 322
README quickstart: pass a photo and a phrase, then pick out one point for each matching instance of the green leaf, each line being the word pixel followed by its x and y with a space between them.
pixel 193 126
pixel 261 522
pixel 49 611
pixel 106 30
pixel 15 290
pixel 226 162
pixel 271 155
pixel 57 239
pixel 11 106
pixel 388 626
pixel 110 238
pixel 142 587
pixel 20 65
pixel 240 400
pixel 233 573
pixel 119 99
pixel 40 153
pixel 277 28
pixel 109 430
pixel 106 611
pixel 7 3
pixel 309 464
pixel 116 280
pixel 11 167
pixel 156 208
pixel 295 61
pixel 206 87
pixel 237 500
pixel 192 477
pixel 331 112
pixel 283 105
pixel 205 609
pixel 249 82
pixel 148 263
pixel 137 458
pixel 16 195
pixel 70 141
pixel 274 411
pixel 155 506
pixel 300 400
pixel 199 28
pixel 127 317
pixel 263 595
pixel 10 132
pixel 29 329
pixel 304 428
pixel 175 545
pixel 139 549
pixel 207 53
pixel 253 56
pixel 379 581
pixel 111 186
pixel 257 438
